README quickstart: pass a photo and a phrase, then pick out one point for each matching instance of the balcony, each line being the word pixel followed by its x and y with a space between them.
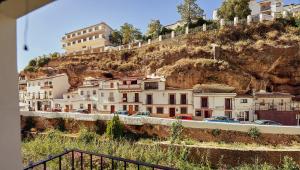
pixel 78 159
pixel 265 8
pixel 129 87
pixel 47 87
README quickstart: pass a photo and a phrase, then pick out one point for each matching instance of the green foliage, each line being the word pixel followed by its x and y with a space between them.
pixel 165 31
pixel 54 55
pixel 100 127
pixel 154 28
pixel 29 123
pixel 180 30
pixel 61 125
pixel 189 10
pixel 129 33
pixel 289 164
pixel 32 63
pixel 115 128
pixel 254 132
pixel 234 8
pixel 42 61
pixel 86 136
pixel 116 37
pixel 216 132
pixel 176 132
pixel 30 69
pixel 297 20
pixel 198 23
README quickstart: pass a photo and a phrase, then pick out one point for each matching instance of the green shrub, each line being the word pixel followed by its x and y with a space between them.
pixel 43 61
pixel 254 132
pixel 115 128
pixel 289 164
pixel 61 125
pixel 86 136
pixel 32 63
pixel 30 69
pixel 216 132
pixel 29 123
pixel 176 131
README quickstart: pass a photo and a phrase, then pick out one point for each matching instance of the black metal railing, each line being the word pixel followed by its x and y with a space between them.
pixel 78 159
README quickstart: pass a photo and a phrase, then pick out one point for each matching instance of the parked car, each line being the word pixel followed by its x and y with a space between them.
pixel 142 114
pixel 184 117
pixel 124 113
pixel 221 119
pixel 82 111
pixel 56 110
pixel 267 122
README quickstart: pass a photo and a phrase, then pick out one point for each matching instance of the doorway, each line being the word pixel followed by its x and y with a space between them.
pixel 172 112
pixel 112 109
pixel 130 110
pixel 89 108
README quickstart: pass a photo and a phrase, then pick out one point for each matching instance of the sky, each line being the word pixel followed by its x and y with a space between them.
pixel 48 24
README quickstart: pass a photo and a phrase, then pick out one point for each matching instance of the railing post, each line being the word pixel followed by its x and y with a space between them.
pixel 222 23
pixel 140 44
pixel 187 30
pixel 73 161
pixel 81 161
pixel 59 162
pixel 236 21
pixel 149 41
pixel 160 38
pixel 273 16
pixel 204 27
pixel 112 163
pixel 101 163
pixel 261 17
pixel 91 161
pixel 173 34
pixel 125 165
pixel 249 19
pixel 45 165
pixel 284 14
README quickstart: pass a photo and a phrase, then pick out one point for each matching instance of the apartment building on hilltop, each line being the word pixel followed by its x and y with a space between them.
pixel 41 91
pixel 94 37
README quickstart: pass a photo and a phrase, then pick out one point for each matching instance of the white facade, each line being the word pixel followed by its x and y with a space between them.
pixel 244 108
pixel 266 7
pixel 108 98
pixel 207 105
pixel 42 91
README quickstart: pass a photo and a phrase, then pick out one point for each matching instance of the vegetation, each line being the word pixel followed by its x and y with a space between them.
pixel 190 10
pixel 176 132
pixel 39 62
pixel 129 33
pixel 234 8
pixel 115 128
pixel 116 37
pixel 254 132
pixel 154 29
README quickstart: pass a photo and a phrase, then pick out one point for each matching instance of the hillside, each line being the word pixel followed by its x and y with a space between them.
pixel 260 56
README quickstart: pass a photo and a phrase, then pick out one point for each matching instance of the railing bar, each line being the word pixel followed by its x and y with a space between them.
pixel 138 166
pixel 101 163
pixel 59 160
pixel 91 161
pixel 125 165
pixel 45 166
pixel 73 161
pixel 81 161
pixel 112 164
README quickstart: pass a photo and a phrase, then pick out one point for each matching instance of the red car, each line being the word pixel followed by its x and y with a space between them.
pixel 56 110
pixel 184 117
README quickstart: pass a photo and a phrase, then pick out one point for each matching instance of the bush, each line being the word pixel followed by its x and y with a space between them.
pixel 254 132
pixel 61 125
pixel 115 128
pixel 29 123
pixel 86 136
pixel 176 132
pixel 43 61
pixel 289 164
pixel 30 69
pixel 127 67
pixel 216 132
pixel 32 63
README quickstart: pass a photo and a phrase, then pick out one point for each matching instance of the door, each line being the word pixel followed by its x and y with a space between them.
pixel 90 108
pixel 112 109
pixel 130 110
pixel 172 112
pixel 67 108
pixel 207 114
pixel 228 104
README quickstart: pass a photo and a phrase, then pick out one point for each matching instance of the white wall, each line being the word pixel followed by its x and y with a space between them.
pixel 10 140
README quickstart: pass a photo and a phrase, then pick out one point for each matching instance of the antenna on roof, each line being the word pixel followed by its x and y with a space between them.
pixel 26 27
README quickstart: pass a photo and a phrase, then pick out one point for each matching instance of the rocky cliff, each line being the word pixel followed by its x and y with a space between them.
pixel 260 56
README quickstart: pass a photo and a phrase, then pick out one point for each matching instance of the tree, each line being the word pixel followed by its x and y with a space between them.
pixel 115 128
pixel 154 28
pixel 129 33
pixel 115 37
pixel 189 11
pixel 32 63
pixel 234 8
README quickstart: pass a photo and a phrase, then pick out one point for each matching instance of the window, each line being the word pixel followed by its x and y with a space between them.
pixel 73 35
pixel 244 101
pixel 124 82
pixel 84 31
pixel 50 93
pixel 94 106
pixel 96 36
pixel 39 83
pixel 69 44
pixel 124 99
pixel 136 108
pixel 102 94
pixel 90 30
pixel 94 92
pixel 105 107
pixel 124 107
pixel 183 99
pixel 96 28
pixel 183 110
pixel 204 102
pixel 136 97
pixel 159 110
pixel 78 41
pixel 149 99
pixel 134 82
pixel 68 96
pixel 151 85
pixel 111 97
pixel 84 40
pixel 73 42
pixel 81 106
pixel 228 104
pixel 198 113
pixel 111 85
pixel 149 109
pixel 81 93
pixel 172 99
pixel 90 38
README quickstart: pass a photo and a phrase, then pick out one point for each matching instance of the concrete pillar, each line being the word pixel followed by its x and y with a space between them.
pixel 173 34
pixel 216 50
pixel 204 27
pixel 187 30
pixel 249 19
pixel 149 41
pixel 129 46
pixel 236 21
pixel 140 44
pixel 284 14
pixel 160 38
pixel 120 48
pixel 222 23
pixel 10 140
pixel 273 16
pixel 261 17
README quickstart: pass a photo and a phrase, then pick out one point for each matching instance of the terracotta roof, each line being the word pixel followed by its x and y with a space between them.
pixel 273 95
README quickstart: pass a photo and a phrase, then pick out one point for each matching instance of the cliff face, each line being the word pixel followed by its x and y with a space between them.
pixel 262 56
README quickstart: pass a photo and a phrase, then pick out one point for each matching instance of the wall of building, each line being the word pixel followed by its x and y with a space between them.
pixel 283 117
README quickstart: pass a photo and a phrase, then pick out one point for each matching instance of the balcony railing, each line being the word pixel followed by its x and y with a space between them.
pixel 129 86
pixel 75 160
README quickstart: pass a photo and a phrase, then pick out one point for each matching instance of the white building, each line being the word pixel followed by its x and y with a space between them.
pixel 244 108
pixel 41 91
pixel 292 8
pixel 165 102
pixel 109 97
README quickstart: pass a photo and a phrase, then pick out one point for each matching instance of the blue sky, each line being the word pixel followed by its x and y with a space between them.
pixel 48 24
